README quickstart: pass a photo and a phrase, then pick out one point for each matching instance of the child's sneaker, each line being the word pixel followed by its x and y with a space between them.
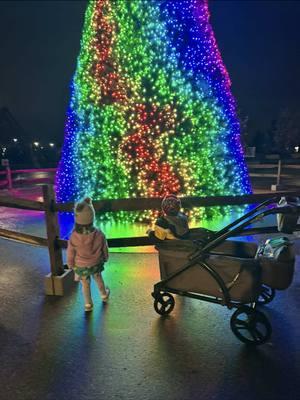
pixel 88 307
pixel 105 297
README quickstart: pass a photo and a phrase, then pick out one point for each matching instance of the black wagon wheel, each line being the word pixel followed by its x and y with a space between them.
pixel 267 294
pixel 164 303
pixel 250 326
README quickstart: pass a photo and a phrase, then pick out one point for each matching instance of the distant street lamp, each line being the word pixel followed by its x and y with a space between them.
pixel 51 144
pixel 15 140
pixel 36 144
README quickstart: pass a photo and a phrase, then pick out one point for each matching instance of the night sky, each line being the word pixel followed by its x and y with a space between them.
pixel 40 41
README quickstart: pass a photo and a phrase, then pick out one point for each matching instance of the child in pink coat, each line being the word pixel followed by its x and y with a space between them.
pixel 87 252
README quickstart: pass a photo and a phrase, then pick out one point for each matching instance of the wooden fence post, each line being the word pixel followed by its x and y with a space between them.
pixel 59 281
pixel 8 177
pixel 55 252
pixel 278 186
pixel 278 172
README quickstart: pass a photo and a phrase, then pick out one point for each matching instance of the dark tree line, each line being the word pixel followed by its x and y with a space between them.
pixel 282 136
pixel 26 155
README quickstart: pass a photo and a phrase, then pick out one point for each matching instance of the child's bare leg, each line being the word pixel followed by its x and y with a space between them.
pixel 86 289
pixel 101 285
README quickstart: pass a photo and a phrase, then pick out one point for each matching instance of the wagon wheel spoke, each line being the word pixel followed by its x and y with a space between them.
pixel 264 295
pixel 241 324
pixel 256 334
pixel 168 302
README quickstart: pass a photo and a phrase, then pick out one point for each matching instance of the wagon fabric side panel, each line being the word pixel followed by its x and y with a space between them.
pixel 278 273
pixel 241 276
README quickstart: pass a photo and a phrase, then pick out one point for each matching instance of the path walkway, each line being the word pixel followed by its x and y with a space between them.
pixel 51 350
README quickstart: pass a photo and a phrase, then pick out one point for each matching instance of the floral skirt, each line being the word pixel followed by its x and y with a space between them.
pixel 81 272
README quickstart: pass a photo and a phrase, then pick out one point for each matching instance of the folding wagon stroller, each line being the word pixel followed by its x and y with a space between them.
pixel 236 274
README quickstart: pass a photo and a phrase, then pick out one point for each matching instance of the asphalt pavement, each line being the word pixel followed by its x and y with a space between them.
pixel 50 349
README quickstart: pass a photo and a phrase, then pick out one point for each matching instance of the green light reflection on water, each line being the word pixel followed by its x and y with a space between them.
pixel 122 230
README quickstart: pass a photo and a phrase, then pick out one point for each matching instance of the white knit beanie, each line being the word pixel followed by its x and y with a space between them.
pixel 84 212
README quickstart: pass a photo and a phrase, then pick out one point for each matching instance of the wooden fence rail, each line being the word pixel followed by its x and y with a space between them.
pixel 23 175
pixel 25 204
pixel 23 237
pixel 276 172
pixel 141 204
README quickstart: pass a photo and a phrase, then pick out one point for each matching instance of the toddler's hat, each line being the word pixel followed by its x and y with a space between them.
pixel 84 212
pixel 171 204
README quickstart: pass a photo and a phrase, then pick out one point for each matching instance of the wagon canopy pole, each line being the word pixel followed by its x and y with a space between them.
pixel 53 233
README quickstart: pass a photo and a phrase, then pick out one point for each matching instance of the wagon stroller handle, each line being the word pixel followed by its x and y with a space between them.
pixel 237 227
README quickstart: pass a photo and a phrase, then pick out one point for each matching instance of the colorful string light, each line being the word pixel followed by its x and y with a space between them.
pixel 151 110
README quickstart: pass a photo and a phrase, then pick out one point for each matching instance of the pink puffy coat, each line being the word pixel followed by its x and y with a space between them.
pixel 86 250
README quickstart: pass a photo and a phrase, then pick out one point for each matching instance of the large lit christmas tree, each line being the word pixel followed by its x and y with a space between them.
pixel 151 110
